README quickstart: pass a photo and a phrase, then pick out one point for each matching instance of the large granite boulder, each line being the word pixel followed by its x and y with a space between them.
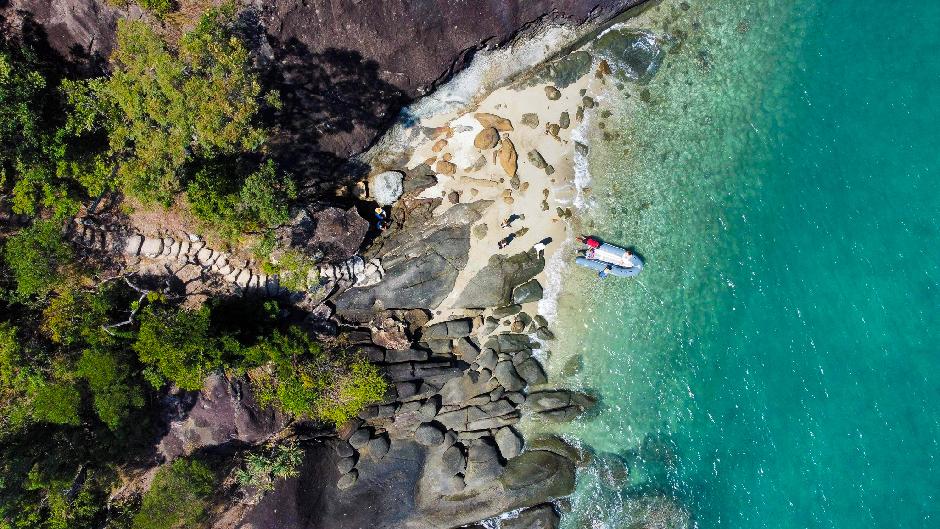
pixel 224 411
pixel 493 285
pixel 635 55
pixel 421 263
pixel 386 187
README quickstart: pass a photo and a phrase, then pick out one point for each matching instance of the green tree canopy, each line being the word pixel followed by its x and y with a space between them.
pixel 163 108
pixel 178 497
pixel 36 256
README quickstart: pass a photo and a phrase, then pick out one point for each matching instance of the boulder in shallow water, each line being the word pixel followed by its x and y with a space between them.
pixel 386 187
pixel 552 93
pixel 530 120
pixel 538 517
pixel 633 55
pixel 527 292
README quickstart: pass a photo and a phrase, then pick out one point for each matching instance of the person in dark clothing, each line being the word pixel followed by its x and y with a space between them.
pixel 605 272
pixel 508 222
pixel 505 241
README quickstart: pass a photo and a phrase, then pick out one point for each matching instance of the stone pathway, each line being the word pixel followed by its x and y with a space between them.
pixel 351 272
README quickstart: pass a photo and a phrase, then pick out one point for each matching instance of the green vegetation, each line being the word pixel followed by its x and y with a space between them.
pixel 263 469
pixel 36 256
pixel 84 361
pixel 165 111
pixel 178 496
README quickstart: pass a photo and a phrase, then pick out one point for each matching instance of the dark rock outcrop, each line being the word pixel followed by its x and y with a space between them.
pixel 224 411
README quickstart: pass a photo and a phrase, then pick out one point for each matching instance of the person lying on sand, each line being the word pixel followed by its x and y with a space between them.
pixel 540 246
pixel 508 222
pixel 505 241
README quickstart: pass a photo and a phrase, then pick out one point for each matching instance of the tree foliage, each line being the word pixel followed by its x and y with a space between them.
pixel 36 256
pixel 178 496
pixel 177 346
pixel 164 108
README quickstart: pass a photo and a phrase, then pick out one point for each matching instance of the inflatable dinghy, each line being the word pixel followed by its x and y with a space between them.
pixel 615 270
pixel 615 255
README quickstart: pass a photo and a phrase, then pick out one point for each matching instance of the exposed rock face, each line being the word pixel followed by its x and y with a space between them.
pixel 539 517
pixel 421 263
pixel 224 411
pixel 493 285
pixel 338 233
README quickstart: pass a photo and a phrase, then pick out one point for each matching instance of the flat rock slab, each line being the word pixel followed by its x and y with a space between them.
pixel 493 285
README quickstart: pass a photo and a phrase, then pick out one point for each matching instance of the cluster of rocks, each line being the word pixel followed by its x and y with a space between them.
pixel 459 391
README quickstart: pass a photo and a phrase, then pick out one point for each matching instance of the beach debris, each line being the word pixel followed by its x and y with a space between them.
pixel 447 157
pixel 588 102
pixel 486 138
pixel 536 159
pixel 545 205
pixel 453 197
pixel 492 120
pixel 603 68
pixel 439 145
pixel 530 119
pixel 509 200
pixel 552 129
pixel 507 156
pixel 552 93
pixel 564 120
pixel 445 167
pixel 515 182
pixel 386 187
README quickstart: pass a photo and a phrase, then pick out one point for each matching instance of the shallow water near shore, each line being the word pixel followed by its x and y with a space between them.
pixel 774 364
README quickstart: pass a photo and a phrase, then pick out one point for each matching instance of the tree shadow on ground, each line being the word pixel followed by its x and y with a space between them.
pixel 335 105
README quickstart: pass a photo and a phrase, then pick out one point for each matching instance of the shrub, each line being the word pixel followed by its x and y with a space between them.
pixel 178 496
pixel 108 378
pixel 36 255
pixel 176 346
pixel 56 402
pixel 262 470
pixel 157 7
pixel 303 380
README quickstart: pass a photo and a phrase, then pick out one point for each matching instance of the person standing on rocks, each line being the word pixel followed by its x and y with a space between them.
pixel 540 246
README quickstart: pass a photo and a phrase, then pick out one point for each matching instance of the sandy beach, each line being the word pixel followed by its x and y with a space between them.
pixel 538 123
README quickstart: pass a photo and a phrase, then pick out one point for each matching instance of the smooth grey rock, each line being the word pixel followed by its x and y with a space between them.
pixel 453 420
pixel 508 343
pixel 538 517
pixel 527 292
pixel 530 370
pixel 360 437
pixel 544 334
pixel 429 435
pixel 429 409
pixel 503 312
pixel 459 328
pixel 405 355
pixel 406 390
pixel 343 449
pixel 494 422
pixel 558 398
pixel 132 244
pixel 487 359
pixel 492 286
pixel 348 480
pixel 490 324
pixel 439 347
pixel 421 262
pixel 497 408
pixel 345 464
pixel 466 350
pixel 378 446
pixel 386 187
pixel 461 389
pixel 453 461
pixel 507 376
pixel 509 443
pixel 372 353
pixel 540 321
pixel 151 247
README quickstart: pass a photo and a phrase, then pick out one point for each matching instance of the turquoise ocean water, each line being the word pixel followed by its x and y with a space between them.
pixel 777 365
